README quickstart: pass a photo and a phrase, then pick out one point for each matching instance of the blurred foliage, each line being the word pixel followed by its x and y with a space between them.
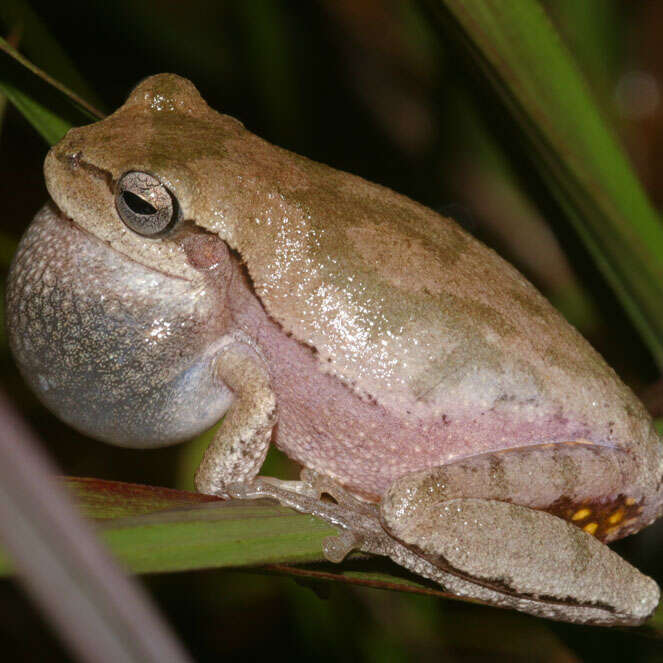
pixel 558 129
pixel 366 86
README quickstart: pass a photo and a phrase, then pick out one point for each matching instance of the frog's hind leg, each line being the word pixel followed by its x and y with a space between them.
pixel 595 487
pixel 480 519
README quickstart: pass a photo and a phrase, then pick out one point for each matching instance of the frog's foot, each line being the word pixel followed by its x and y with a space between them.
pixel 361 530
pixel 323 487
pixel 318 495
pixel 481 548
pixel 337 548
pixel 530 560
pixel 358 523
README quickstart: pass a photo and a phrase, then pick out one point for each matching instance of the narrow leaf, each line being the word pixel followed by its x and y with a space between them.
pixel 49 106
pixel 100 613
pixel 37 42
pixel 521 61
pixel 101 500
pixel 153 529
pixel 213 535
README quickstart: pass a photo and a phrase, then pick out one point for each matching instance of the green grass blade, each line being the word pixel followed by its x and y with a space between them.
pixel 49 106
pixel 216 535
pixel 38 44
pixel 99 612
pixel 159 529
pixel 522 61
pixel 32 103
pixel 154 530
pixel 105 500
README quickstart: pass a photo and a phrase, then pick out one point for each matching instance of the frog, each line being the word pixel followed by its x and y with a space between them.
pixel 445 415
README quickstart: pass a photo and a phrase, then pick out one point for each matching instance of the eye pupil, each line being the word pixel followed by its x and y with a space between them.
pixel 137 204
pixel 145 205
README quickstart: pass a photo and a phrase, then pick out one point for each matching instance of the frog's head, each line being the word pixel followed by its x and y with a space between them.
pixel 132 179
pixel 111 312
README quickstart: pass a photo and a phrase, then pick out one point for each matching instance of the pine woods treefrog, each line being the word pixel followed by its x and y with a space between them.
pixel 186 269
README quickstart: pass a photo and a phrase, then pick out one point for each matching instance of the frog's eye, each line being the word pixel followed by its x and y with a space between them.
pixel 145 205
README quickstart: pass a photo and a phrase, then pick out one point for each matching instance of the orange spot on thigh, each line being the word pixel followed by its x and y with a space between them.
pixel 590 528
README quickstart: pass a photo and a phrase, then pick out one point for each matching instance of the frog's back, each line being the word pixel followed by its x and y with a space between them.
pixel 398 302
pixel 409 310
pixel 406 311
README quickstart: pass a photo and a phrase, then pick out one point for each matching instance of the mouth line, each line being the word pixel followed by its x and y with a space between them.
pixel 64 218
pixel 75 161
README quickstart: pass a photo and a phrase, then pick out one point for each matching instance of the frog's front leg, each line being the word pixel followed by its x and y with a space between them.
pixel 480 519
pixel 241 443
